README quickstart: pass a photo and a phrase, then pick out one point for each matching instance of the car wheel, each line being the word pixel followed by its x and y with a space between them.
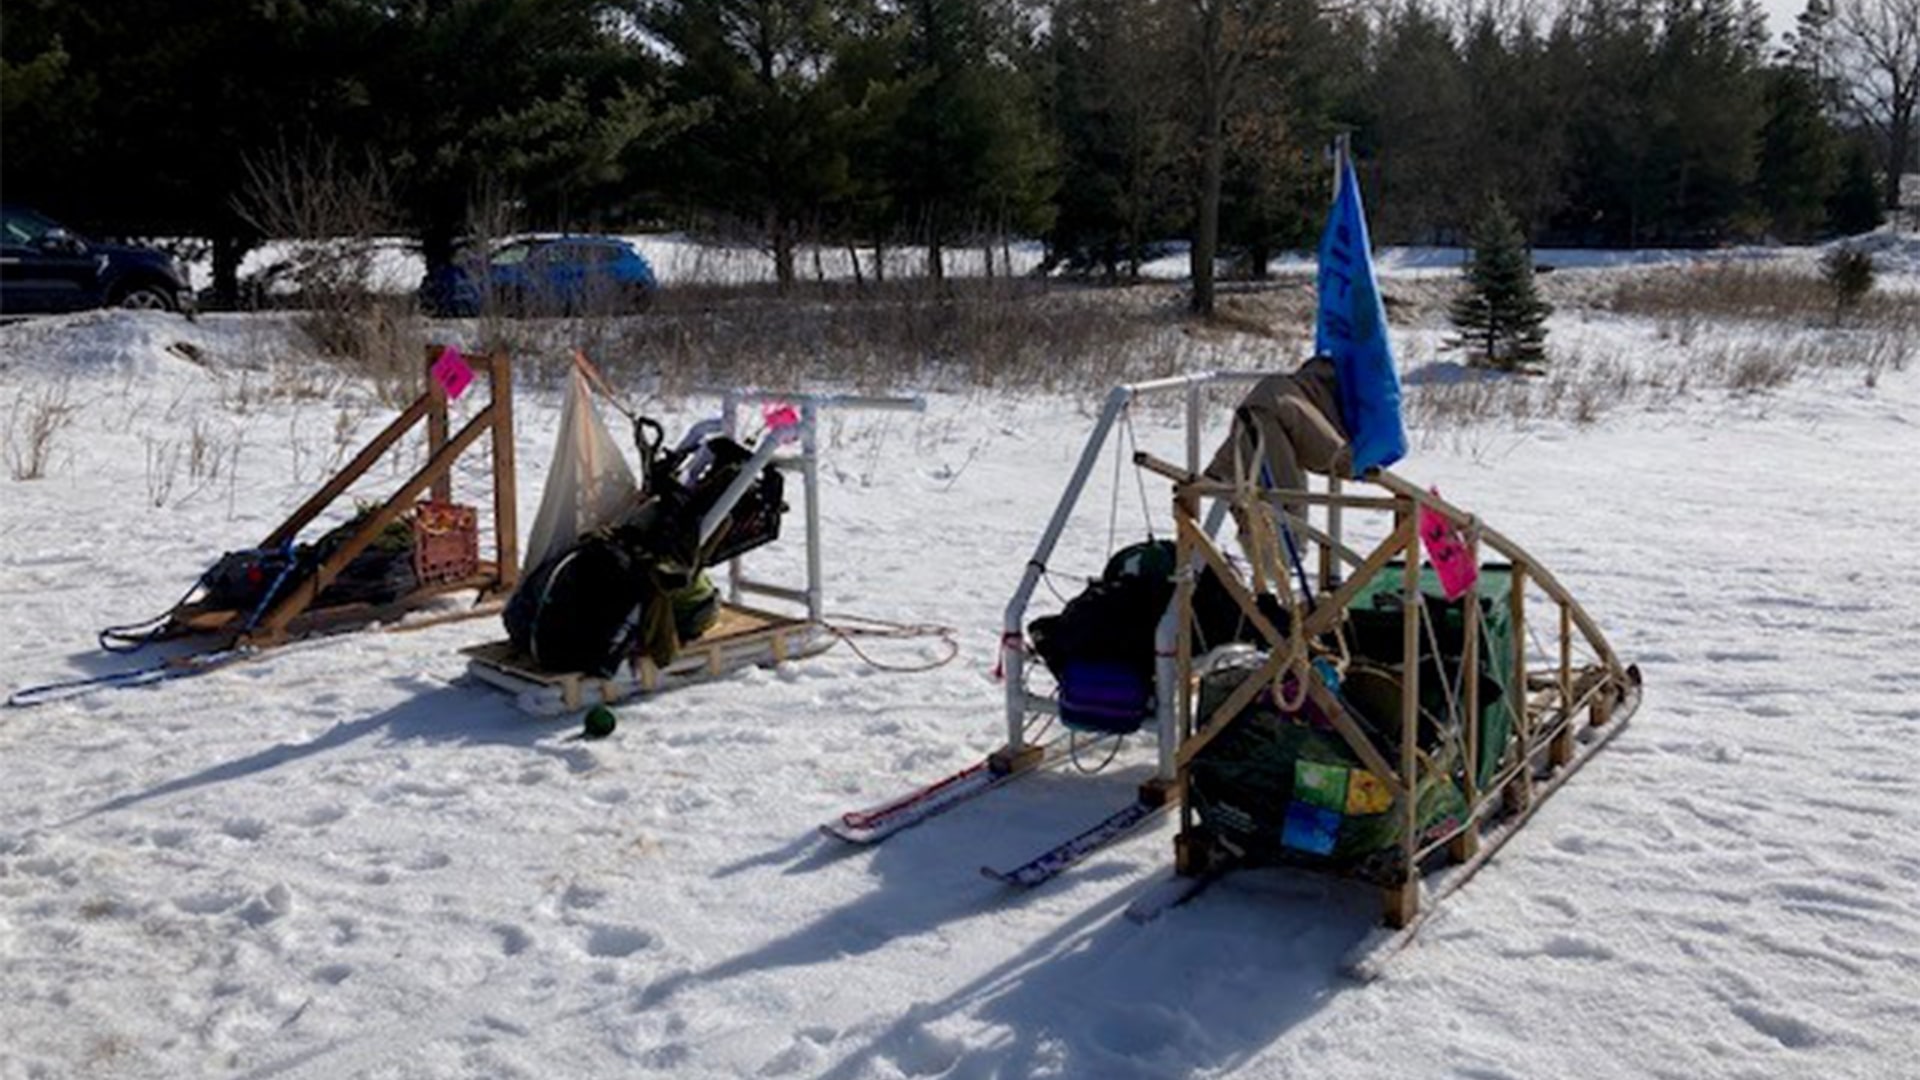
pixel 145 298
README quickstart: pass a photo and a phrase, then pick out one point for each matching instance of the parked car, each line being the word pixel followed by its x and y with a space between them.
pixel 46 268
pixel 559 275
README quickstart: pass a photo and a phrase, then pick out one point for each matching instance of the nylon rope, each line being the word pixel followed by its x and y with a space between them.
pixel 1139 474
pixel 846 628
pixel 1113 499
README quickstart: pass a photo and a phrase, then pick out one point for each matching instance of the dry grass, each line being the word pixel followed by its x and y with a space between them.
pixel 35 419
pixel 1732 328
pixel 971 333
pixel 205 455
pixel 1710 292
pixel 1583 389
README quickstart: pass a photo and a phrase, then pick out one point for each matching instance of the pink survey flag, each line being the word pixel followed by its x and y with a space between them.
pixel 779 414
pixel 452 373
pixel 782 419
pixel 1447 550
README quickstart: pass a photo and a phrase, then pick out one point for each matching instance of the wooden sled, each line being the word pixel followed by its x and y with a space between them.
pixel 300 606
pixel 743 635
pixel 1573 694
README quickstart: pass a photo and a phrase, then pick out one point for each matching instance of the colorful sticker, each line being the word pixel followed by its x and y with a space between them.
pixel 1309 828
pixel 1320 785
pixel 452 373
pixel 1367 793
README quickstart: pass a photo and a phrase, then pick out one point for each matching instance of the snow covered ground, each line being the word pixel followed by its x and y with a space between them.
pixel 345 861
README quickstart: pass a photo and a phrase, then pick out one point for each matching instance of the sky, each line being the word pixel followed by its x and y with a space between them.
pixel 1780 15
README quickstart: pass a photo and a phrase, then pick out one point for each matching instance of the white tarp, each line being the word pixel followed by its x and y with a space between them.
pixel 589 483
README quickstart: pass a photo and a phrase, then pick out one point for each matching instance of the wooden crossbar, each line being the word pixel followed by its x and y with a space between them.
pixel 436 476
pixel 353 470
pixel 1283 654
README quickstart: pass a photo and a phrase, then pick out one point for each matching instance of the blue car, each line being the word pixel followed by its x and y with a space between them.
pixel 45 268
pixel 560 275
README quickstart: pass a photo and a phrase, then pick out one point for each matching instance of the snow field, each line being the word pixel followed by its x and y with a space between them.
pixel 343 861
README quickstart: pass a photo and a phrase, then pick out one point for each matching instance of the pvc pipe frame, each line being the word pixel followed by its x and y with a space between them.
pixel 807 462
pixel 1013 655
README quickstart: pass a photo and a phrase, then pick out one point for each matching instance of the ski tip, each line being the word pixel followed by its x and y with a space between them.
pixel 848 836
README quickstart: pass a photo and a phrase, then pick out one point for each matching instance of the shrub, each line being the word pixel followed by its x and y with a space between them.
pixel 1848 273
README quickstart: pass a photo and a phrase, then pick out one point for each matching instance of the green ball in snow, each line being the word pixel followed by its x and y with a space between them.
pixel 599 722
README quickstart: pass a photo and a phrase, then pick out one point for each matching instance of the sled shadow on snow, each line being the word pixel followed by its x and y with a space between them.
pixel 450 715
pixel 1201 989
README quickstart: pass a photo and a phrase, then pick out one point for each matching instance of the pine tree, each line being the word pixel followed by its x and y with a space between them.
pixel 1501 319
pixel 1854 205
pixel 1797 159
pixel 771 145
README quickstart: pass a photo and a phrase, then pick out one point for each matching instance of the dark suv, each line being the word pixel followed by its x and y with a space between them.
pixel 44 268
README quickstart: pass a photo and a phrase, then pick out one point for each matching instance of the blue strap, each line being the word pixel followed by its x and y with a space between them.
pixel 273 590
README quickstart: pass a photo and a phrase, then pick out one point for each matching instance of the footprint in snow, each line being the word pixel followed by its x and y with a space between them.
pixel 918 1052
pixel 1790 1031
pixel 332 974
pixel 583 896
pixel 803 1057
pixel 247 829
pixel 1728 656
pixel 615 942
pixel 514 940
pixel 321 816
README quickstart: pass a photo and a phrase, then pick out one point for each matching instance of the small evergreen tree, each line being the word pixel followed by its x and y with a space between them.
pixel 1500 317
pixel 1849 274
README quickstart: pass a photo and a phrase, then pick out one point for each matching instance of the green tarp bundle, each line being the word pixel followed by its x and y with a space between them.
pixel 1284 787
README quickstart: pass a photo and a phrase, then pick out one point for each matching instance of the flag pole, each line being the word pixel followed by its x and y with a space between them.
pixel 1330 569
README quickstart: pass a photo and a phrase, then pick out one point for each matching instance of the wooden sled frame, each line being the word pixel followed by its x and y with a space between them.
pixel 294 613
pixel 744 635
pixel 1570 710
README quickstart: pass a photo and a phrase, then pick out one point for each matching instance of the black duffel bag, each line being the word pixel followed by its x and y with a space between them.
pixel 581 609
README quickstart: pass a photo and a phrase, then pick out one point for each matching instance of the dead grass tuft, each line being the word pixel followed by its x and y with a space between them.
pixel 36 417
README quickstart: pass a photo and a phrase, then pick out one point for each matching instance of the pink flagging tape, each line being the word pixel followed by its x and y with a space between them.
pixel 452 372
pixel 780 414
pixel 1448 552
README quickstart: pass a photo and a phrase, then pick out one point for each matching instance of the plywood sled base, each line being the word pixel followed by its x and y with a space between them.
pixel 741 637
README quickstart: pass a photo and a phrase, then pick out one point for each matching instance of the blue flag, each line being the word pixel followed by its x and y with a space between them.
pixel 1351 328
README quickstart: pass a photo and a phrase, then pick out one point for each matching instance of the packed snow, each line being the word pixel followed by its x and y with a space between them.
pixel 346 860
